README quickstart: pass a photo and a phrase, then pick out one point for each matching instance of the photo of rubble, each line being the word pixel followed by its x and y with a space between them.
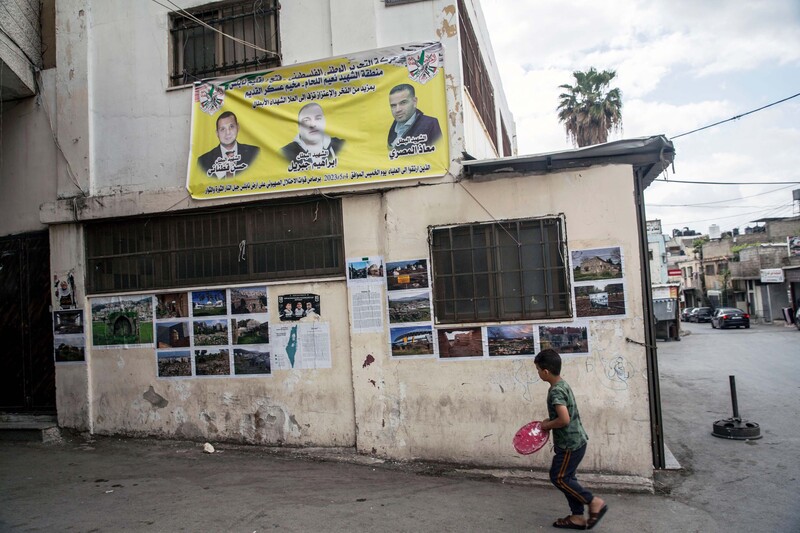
pixel 510 340
pixel 212 362
pixel 462 342
pixel 173 364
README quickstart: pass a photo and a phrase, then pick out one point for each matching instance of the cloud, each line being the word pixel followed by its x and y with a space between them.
pixel 680 65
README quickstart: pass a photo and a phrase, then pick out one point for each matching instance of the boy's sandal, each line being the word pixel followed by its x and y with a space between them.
pixel 594 518
pixel 566 523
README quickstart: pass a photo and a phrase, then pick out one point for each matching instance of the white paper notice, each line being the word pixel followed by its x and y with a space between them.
pixel 300 345
pixel 366 304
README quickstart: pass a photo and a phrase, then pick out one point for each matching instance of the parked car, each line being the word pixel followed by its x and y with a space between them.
pixel 730 317
pixel 797 318
pixel 700 314
pixel 685 313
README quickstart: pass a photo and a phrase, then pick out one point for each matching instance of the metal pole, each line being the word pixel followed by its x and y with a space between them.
pixel 734 401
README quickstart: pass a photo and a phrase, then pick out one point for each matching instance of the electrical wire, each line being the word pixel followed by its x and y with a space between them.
pixel 694 206
pixel 736 117
pixel 739 198
pixel 765 212
pixel 730 182
pixel 190 16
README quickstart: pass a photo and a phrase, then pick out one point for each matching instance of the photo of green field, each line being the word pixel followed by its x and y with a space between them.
pixel 122 321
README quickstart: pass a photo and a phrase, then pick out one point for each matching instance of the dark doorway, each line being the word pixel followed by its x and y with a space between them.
pixel 27 370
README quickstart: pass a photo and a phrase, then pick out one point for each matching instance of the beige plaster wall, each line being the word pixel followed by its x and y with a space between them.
pixel 469 410
pixel 289 407
pixel 72 379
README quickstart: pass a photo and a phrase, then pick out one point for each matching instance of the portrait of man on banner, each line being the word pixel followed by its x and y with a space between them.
pixel 230 157
pixel 312 147
pixel 411 126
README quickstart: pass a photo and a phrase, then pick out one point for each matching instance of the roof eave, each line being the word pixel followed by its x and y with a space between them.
pixel 649 157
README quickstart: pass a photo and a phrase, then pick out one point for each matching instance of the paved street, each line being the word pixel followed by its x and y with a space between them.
pixel 110 484
pixel 745 486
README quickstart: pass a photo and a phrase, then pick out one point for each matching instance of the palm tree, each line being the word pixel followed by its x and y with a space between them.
pixel 587 111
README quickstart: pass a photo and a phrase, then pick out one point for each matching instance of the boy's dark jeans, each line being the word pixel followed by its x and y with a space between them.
pixel 562 475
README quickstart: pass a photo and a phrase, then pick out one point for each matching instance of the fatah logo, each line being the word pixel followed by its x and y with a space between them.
pixel 210 97
pixel 422 67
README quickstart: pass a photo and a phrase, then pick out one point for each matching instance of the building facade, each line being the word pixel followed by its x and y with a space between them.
pixel 399 317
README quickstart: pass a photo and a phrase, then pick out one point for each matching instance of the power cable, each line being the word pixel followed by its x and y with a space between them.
pixel 190 16
pixel 736 117
pixel 739 198
pixel 730 182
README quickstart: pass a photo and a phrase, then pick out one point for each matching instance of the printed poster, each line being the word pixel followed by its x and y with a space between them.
pixel 302 345
pixel 122 321
pixel 371 117
pixel 69 340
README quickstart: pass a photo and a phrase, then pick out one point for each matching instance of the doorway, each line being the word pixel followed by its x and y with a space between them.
pixel 27 370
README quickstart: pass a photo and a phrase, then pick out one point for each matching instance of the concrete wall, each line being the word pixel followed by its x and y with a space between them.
pixel 21 50
pixel 134 135
pixel 452 410
pixel 28 157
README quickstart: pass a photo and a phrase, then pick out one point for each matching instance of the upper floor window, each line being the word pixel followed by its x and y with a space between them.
pixel 476 78
pixel 511 270
pixel 224 38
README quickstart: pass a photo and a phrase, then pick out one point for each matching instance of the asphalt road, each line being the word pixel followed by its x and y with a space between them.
pixel 745 486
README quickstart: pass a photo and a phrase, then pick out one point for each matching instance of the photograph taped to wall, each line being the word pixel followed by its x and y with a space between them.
pixel 210 332
pixel 212 362
pixel 460 342
pixel 122 321
pixel 174 363
pixel 210 302
pixel 410 341
pixel 567 339
pixel 172 334
pixel 300 346
pixel 365 270
pixel 248 300
pixel 600 300
pixel 596 264
pixel 252 360
pixel 411 274
pixel 64 291
pixel 171 305
pixel 305 307
pixel 69 348
pixel 409 306
pixel 68 322
pixel 249 330
pixel 505 341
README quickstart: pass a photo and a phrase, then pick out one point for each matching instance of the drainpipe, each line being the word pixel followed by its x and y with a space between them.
pixel 651 354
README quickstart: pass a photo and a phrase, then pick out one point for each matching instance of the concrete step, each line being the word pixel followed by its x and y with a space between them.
pixel 29 428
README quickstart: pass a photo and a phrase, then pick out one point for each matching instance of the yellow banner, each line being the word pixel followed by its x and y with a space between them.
pixel 369 118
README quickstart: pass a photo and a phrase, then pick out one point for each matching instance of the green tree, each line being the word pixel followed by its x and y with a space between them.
pixel 588 109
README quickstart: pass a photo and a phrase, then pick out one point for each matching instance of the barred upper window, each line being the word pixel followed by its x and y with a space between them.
pixel 200 52
pixel 511 270
pixel 476 76
pixel 265 242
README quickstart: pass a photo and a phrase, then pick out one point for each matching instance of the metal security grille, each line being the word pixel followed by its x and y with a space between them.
pixel 200 52
pixel 256 243
pixel 476 75
pixel 509 270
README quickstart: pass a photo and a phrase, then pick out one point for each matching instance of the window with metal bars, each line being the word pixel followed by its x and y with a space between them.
pixel 198 51
pixel 510 270
pixel 231 245
pixel 476 75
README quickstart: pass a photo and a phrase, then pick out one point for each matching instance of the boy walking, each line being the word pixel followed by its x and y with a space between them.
pixel 569 439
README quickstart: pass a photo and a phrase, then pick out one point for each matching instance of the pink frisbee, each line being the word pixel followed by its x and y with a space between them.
pixel 530 438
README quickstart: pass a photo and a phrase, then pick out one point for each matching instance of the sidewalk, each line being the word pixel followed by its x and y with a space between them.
pixel 112 484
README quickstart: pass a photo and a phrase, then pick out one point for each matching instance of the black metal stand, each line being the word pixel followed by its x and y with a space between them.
pixel 736 428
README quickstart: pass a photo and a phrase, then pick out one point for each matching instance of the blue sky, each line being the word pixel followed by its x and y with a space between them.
pixel 680 65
